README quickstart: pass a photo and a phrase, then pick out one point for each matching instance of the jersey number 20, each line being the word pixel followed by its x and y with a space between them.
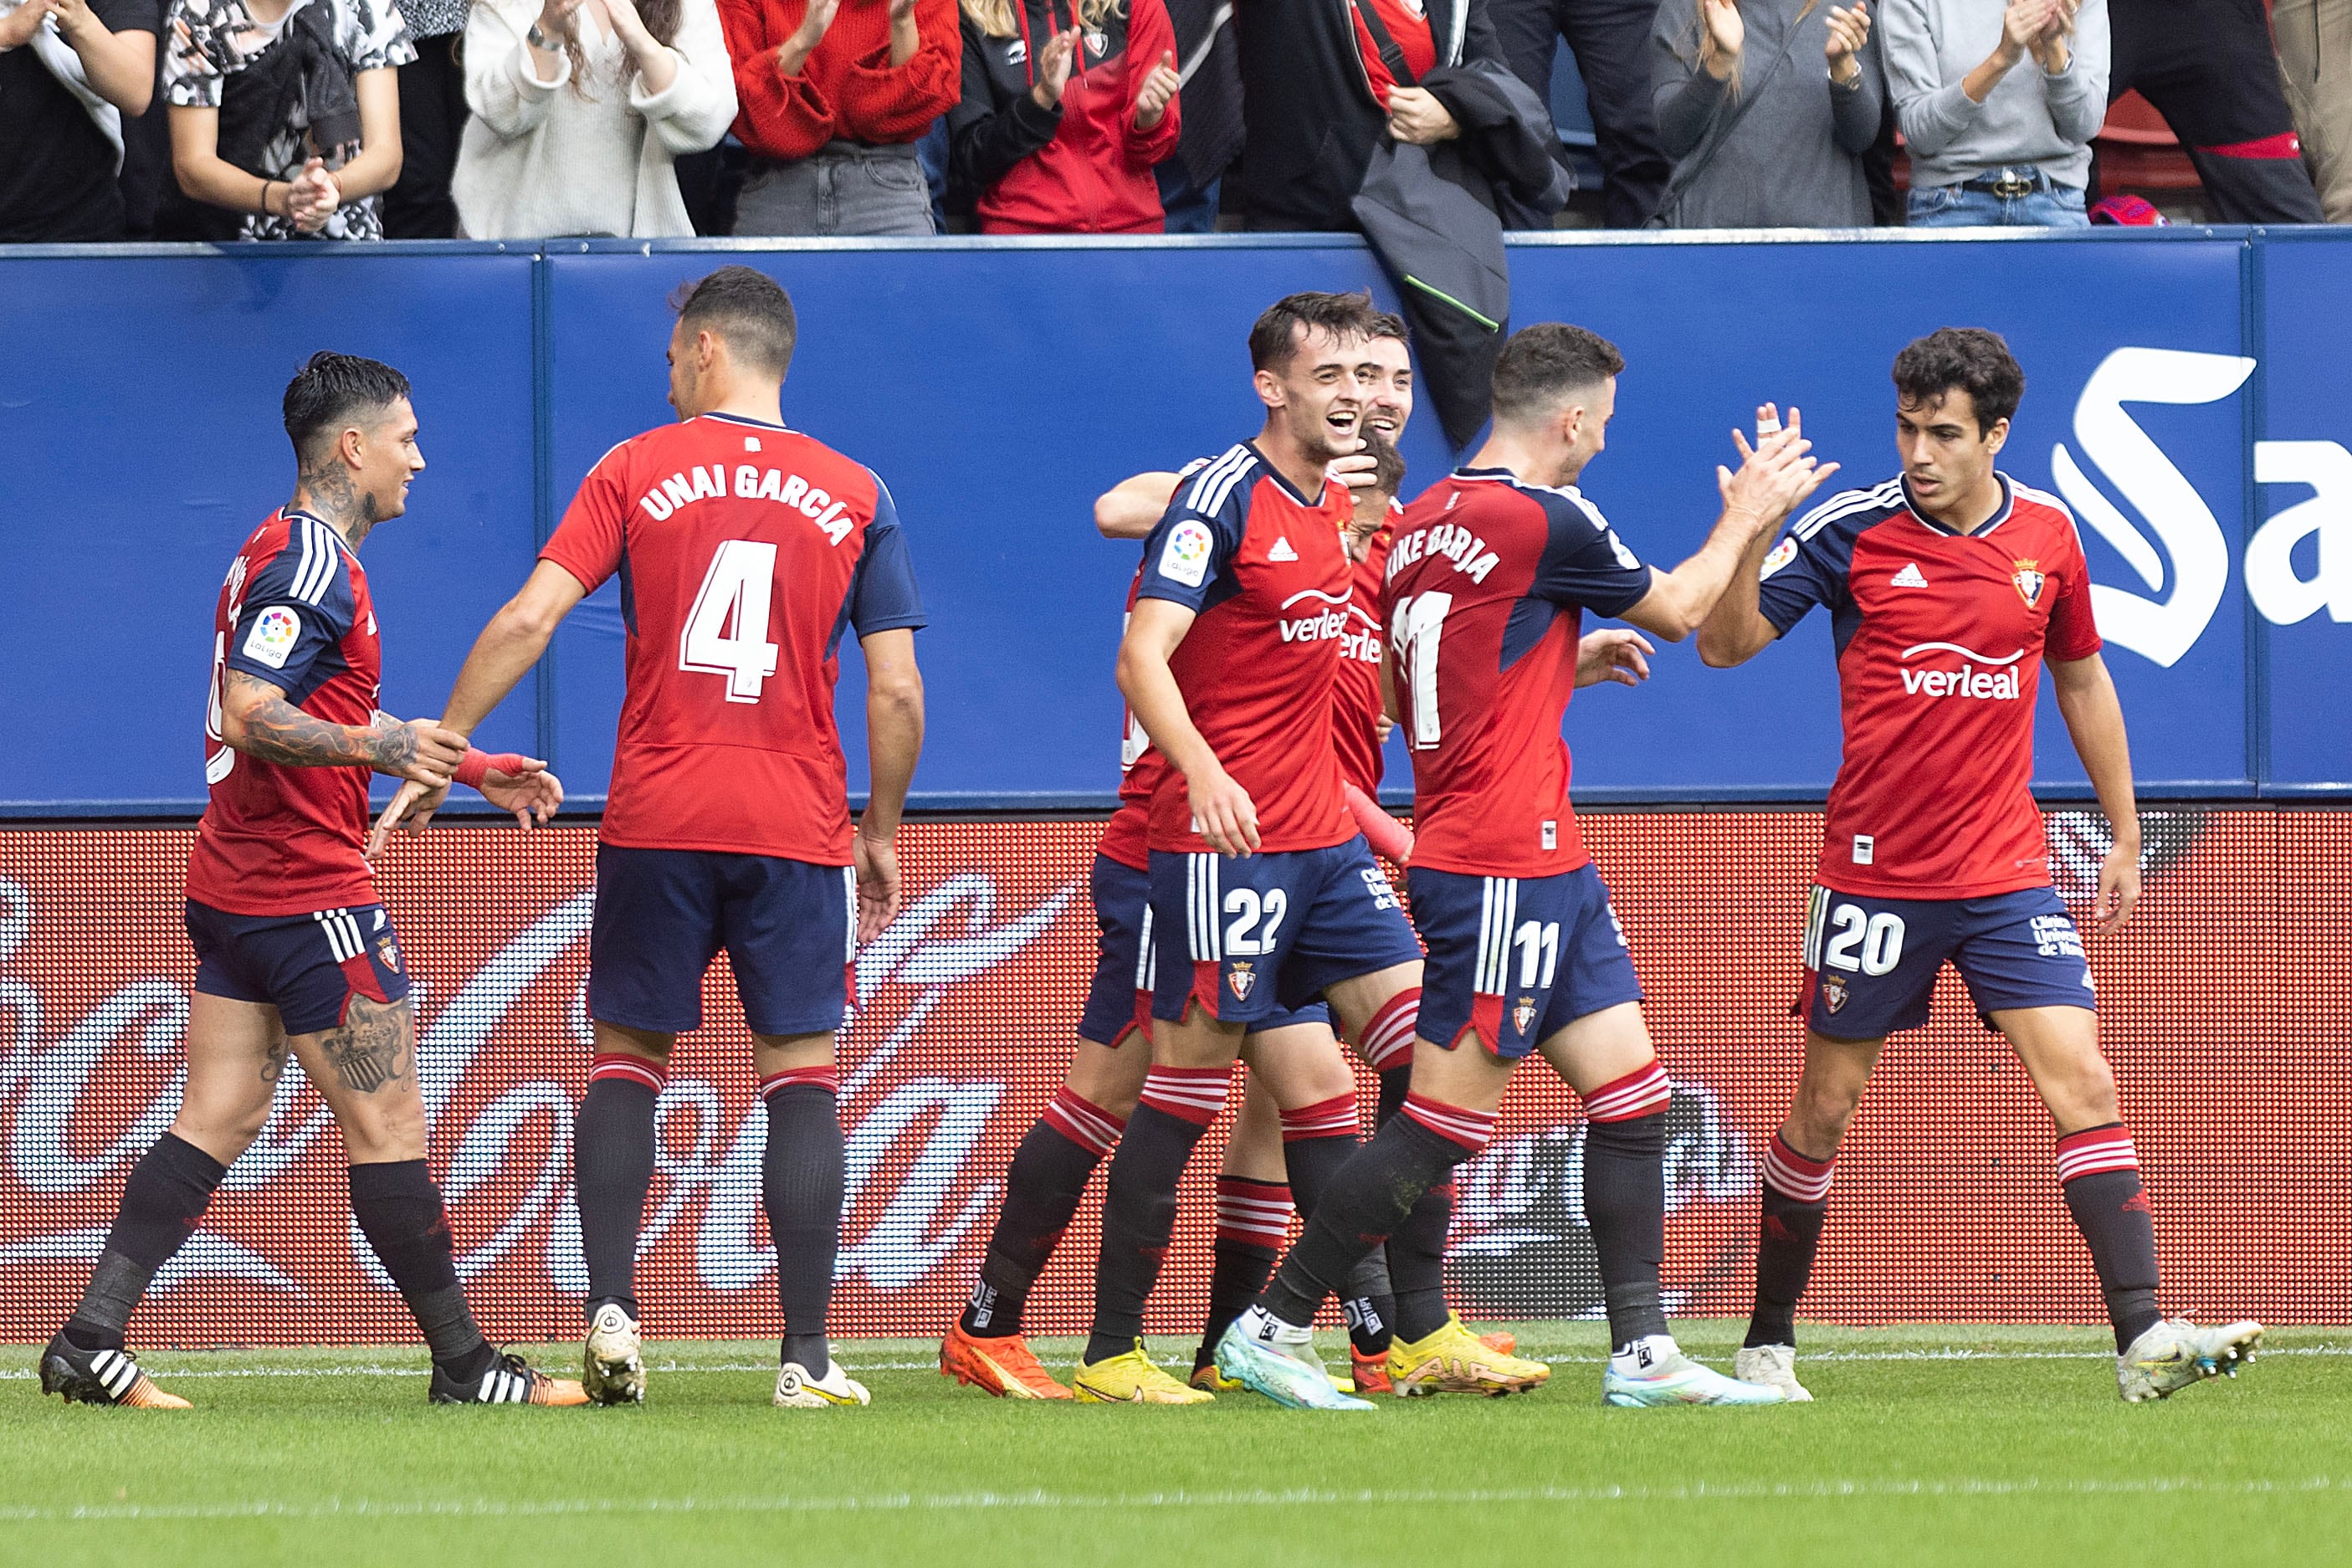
pixel 727 633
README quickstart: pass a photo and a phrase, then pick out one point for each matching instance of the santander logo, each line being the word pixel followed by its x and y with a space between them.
pixel 1981 678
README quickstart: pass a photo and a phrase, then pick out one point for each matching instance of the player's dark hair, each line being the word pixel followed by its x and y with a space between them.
pixel 747 307
pixel 1967 359
pixel 1389 324
pixel 1274 341
pixel 1547 363
pixel 1388 463
pixel 328 391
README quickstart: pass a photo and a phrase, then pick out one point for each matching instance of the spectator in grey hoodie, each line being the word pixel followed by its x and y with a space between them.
pixel 1998 106
pixel 1767 107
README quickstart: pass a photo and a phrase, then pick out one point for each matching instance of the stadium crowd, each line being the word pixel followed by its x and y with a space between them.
pixel 534 119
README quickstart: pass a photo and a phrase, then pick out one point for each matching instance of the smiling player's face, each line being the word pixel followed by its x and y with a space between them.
pixel 1318 395
pixel 1386 371
pixel 391 459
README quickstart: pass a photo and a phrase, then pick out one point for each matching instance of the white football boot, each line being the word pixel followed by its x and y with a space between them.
pixel 615 1371
pixel 1773 1366
pixel 1654 1371
pixel 796 1390
pixel 2176 1353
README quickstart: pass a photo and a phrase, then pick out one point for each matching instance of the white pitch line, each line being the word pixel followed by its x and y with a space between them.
pixel 958 1502
pixel 168 1373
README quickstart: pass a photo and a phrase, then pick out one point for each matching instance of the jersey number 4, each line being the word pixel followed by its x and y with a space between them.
pixel 727 633
pixel 1415 632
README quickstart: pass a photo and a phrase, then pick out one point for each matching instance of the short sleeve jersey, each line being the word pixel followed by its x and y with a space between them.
pixel 1486 585
pixel 1940 638
pixel 1263 568
pixel 295 611
pixel 744 550
pixel 1356 709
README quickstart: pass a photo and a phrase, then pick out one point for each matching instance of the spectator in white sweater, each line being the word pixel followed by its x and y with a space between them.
pixel 580 109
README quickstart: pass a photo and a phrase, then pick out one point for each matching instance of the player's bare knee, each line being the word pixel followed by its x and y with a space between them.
pixel 1110 1077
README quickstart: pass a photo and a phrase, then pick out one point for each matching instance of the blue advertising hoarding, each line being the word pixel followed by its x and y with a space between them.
pixel 2185 390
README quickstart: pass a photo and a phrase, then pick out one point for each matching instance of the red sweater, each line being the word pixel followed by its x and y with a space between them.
pixel 847 91
pixel 1095 176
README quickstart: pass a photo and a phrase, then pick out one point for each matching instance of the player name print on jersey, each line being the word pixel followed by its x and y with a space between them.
pixel 1940 637
pixel 1486 582
pixel 738 581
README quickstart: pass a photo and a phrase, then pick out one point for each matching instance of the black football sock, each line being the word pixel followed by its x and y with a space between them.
pixel 2098 1170
pixel 1370 1200
pixel 1253 1222
pixel 1625 1205
pixel 1396 1082
pixel 1367 1304
pixel 1788 1231
pixel 161 1202
pixel 613 1150
pixel 1042 1191
pixel 802 1176
pixel 400 1212
pixel 1140 1205
pixel 1416 1258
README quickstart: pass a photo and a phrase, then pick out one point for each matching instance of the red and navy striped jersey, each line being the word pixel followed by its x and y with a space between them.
pixel 745 550
pixel 1940 637
pixel 1265 571
pixel 1487 584
pixel 276 839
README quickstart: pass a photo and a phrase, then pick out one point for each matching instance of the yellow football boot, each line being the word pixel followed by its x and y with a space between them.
pixel 1455 1361
pixel 1132 1379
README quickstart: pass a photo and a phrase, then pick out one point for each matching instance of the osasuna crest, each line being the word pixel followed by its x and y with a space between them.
pixel 1240 977
pixel 389 952
pixel 1523 1014
pixel 1833 991
pixel 2029 580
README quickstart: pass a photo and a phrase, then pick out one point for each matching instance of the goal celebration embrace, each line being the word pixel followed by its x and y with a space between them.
pixel 1393 956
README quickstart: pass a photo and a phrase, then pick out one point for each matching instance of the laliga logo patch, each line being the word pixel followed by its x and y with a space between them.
pixel 1523 1014
pixel 2029 580
pixel 1242 978
pixel 273 636
pixel 1833 991
pixel 1782 554
pixel 1185 558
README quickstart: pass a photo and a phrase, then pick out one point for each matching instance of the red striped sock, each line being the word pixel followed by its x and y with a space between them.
pixel 1082 1122
pixel 1792 1175
pixel 1472 1129
pixel 1332 1117
pixel 1255 1213
pixel 655 1075
pixel 2096 1149
pixel 1642 1092
pixel 1388 1036
pixel 827 1077
pixel 1189 1094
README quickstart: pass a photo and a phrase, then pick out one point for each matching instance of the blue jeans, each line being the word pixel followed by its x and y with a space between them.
pixel 1948 206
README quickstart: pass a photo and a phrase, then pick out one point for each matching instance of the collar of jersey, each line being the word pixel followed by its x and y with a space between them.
pixel 290 512
pixel 2008 505
pixel 1310 502
pixel 1504 476
pixel 743 420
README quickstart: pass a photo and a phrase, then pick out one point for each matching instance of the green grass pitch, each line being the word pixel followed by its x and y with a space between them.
pixel 1936 1444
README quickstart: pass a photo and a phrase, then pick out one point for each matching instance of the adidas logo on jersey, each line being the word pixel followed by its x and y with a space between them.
pixel 1281 550
pixel 1909 577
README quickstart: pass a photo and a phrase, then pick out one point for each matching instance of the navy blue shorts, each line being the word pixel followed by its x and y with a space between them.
pixel 309 967
pixel 1871 963
pixel 1119 999
pixel 789 929
pixel 1254 939
pixel 1518 959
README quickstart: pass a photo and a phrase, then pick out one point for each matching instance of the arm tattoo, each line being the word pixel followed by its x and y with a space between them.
pixel 374 1045
pixel 276 732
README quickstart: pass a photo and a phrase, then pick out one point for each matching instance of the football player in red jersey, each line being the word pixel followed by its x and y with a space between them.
pixel 745 550
pixel 1263 895
pixel 1948 587
pixel 1488 577
pixel 294 951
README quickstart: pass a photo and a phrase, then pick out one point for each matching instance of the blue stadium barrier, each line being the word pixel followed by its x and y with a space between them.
pixel 2186 396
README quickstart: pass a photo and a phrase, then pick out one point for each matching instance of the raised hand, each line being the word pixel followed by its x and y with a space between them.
pixel 1613 653
pixel 1727 34
pixel 1849 31
pixel 627 23
pixel 2051 47
pixel 1160 90
pixel 817 21
pixel 1052 67
pixel 2021 25
pixel 1774 475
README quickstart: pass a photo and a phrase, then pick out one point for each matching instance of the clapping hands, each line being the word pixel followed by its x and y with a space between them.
pixel 1849 31
pixel 312 196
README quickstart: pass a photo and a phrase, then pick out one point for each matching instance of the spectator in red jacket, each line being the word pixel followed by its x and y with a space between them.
pixel 834 95
pixel 1066 106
